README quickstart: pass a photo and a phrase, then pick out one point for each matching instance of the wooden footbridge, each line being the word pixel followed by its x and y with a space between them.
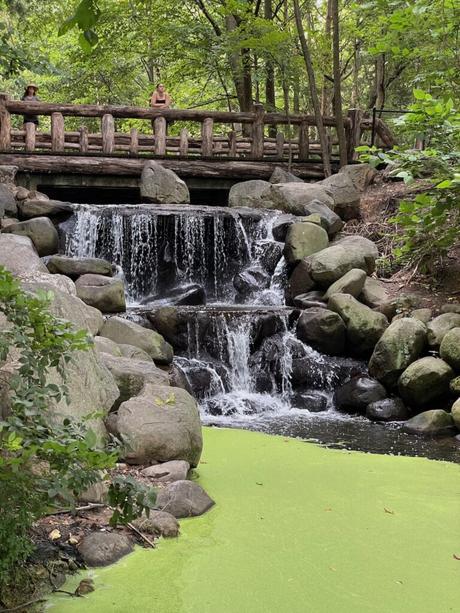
pixel 110 142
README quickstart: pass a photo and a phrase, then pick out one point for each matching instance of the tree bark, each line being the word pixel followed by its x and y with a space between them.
pixel 326 93
pixel 337 82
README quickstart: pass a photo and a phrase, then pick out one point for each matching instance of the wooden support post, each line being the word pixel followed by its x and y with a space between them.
pixel 206 137
pixel 30 136
pixel 160 135
pixel 57 132
pixel 183 142
pixel 257 151
pixel 83 139
pixel 279 144
pixel 304 142
pixel 353 133
pixel 133 141
pixel 108 133
pixel 232 144
pixel 5 124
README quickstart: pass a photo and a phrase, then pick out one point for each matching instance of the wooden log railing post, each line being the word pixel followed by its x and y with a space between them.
pixel 30 136
pixel 183 142
pixel 57 132
pixel 257 151
pixel 232 144
pixel 108 133
pixel 206 137
pixel 5 124
pixel 353 133
pixel 159 127
pixel 83 139
pixel 279 144
pixel 304 142
pixel 133 141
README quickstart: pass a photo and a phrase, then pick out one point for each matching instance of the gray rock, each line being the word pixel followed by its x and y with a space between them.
pixel 430 423
pixel 346 196
pixel 19 256
pixel 295 197
pixel 40 230
pixel 105 345
pixel 388 409
pixel 184 499
pixel 374 293
pixel 127 332
pixel 134 353
pixel 425 380
pixel 454 386
pixel 252 279
pixel 104 548
pixel 358 393
pixel 28 209
pixel 302 240
pixel 175 470
pixel 451 307
pixel 76 267
pixel 8 173
pixel 423 315
pixel 269 253
pixel 351 283
pixel 450 348
pixel 365 246
pixel 309 300
pixel 21 193
pixel 439 326
pixel 401 343
pixel 361 175
pixel 401 305
pixel 162 186
pixel 364 326
pixel 455 412
pixel 158 523
pixel 252 194
pixel 161 424
pixel 96 493
pixel 300 281
pixel 7 200
pixel 330 221
pixel 311 401
pixel 323 330
pixel 281 226
pixel 279 175
pixel 104 293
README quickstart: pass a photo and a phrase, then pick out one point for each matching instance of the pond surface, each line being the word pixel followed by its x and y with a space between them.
pixel 298 528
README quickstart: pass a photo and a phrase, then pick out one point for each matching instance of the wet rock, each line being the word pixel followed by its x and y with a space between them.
pixel 300 281
pixel 249 193
pixel 160 424
pixel 173 325
pixel 178 378
pixel 162 186
pixel 30 208
pixel 217 408
pixel 19 256
pixel 454 386
pixel 7 201
pixel 203 379
pixel 279 175
pixel 374 294
pixel 388 409
pixel 438 327
pixel 451 307
pixel 281 226
pixel 450 348
pixel 425 380
pixel 330 221
pixel 265 325
pixel 364 326
pixel 302 240
pixel 358 393
pixel 263 383
pixel 41 232
pixel 250 280
pixel 324 330
pixel 184 499
pixel 158 523
pixel 105 345
pixel 269 254
pixel 104 293
pixel 430 423
pixel 304 301
pixel 294 197
pixel 76 267
pixel 401 343
pixel 129 333
pixel 351 283
pixel 104 548
pixel 312 401
pixel 174 470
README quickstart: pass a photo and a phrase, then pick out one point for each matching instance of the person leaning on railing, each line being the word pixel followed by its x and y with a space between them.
pixel 30 95
pixel 160 99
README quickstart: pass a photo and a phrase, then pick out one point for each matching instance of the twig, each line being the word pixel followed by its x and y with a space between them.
pixel 143 537
pixel 88 507
pixel 73 594
pixel 23 605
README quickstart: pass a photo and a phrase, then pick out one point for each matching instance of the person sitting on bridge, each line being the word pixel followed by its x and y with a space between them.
pixel 160 99
pixel 30 95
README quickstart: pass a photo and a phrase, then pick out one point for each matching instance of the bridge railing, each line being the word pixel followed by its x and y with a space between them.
pixel 217 136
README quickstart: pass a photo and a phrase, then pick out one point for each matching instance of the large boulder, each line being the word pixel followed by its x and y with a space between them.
pixel 158 523
pixel 268 254
pixel 387 409
pixel 171 323
pixel 401 343
pixel 351 283
pixel 7 201
pixel 252 279
pixel 361 175
pixel 425 380
pixel 134 353
pixel 330 221
pixel 323 330
pixel 450 348
pixel 455 412
pixel 281 225
pixel 175 470
pixel 19 256
pixel 364 326
pixel 184 499
pixel 129 333
pixel 104 293
pixel 295 197
pixel 302 240
pixel 355 395
pixel 374 293
pixel 104 548
pixel 76 267
pixel 30 208
pixel 40 230
pixel 300 281
pixel 249 193
pixel 440 326
pixel 161 424
pixel 105 345
pixel 346 196
pixel 162 186
pixel 430 423
pixel 279 175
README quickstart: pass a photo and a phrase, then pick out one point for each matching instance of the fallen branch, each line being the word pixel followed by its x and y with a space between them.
pixel 23 605
pixel 141 535
pixel 88 507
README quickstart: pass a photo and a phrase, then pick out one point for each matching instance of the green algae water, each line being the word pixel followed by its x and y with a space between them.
pixel 298 529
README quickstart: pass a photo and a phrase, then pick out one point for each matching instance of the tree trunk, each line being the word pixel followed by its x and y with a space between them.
pixel 270 100
pixel 326 93
pixel 378 94
pixel 313 90
pixel 337 82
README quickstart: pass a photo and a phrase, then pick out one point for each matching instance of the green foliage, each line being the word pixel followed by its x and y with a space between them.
pixel 130 500
pixel 85 18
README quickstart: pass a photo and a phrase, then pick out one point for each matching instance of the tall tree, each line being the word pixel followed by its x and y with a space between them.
pixel 337 82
